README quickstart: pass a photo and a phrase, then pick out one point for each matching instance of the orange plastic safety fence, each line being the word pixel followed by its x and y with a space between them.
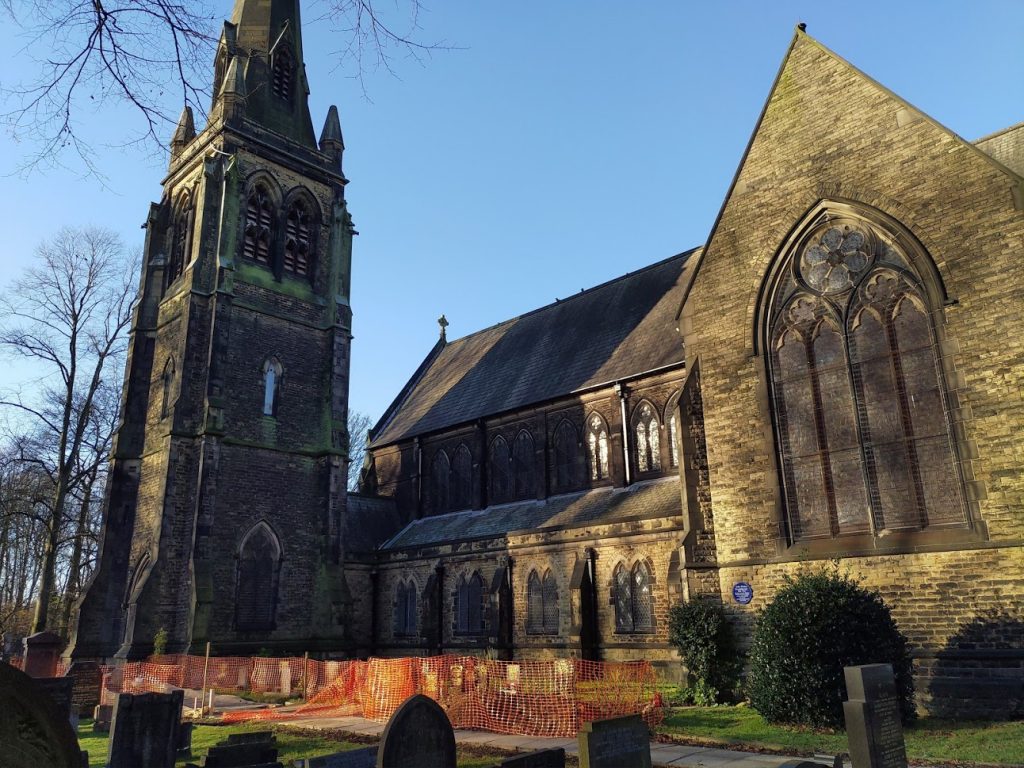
pixel 533 698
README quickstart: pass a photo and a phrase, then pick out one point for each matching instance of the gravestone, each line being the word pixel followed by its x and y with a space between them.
pixel 145 730
pixel 542 758
pixel 101 717
pixel 42 654
pixel 353 758
pixel 88 678
pixel 418 735
pixel 243 749
pixel 618 742
pixel 60 690
pixel 33 732
pixel 872 714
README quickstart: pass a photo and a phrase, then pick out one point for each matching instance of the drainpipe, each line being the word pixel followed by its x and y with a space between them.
pixel 419 477
pixel 439 571
pixel 620 390
pixel 592 565
pixel 374 589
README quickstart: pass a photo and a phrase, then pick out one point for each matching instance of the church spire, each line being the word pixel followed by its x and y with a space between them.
pixel 267 34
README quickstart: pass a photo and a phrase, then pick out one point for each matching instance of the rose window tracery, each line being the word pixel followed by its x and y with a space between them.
pixel 836 260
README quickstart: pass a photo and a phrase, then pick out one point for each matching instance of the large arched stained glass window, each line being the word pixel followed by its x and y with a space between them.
pixel 597 447
pixel 859 403
pixel 648 439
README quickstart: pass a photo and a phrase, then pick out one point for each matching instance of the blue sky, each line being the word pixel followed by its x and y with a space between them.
pixel 563 144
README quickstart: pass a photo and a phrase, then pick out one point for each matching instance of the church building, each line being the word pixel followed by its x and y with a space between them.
pixel 837 374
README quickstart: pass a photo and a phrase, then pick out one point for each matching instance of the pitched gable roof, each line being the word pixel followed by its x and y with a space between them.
pixel 800 37
pixel 617 330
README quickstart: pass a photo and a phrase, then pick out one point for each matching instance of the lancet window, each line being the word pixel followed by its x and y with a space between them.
pixel 256 591
pixel 858 390
pixel 499 474
pixel 597 447
pixel 259 225
pixel 647 432
pixel 523 466
pixel 633 598
pixel 542 603
pixel 566 452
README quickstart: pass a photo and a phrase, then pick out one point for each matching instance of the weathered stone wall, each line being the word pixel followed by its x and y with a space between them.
pixel 885 156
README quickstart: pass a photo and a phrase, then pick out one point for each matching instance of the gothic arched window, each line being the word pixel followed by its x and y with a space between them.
pixel 672 419
pixel 181 240
pixel 470 610
pixel 597 447
pixel 566 456
pixel 648 439
pixel 272 373
pixel 259 225
pixel 259 557
pixel 859 402
pixel 633 598
pixel 499 472
pixel 462 478
pixel 440 483
pixel 523 466
pixel 283 72
pixel 405 609
pixel 298 239
pixel 541 603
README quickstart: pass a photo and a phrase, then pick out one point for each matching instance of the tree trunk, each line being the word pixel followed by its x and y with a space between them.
pixel 46 579
pixel 74 582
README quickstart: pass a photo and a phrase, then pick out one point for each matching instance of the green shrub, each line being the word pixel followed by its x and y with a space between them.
pixel 816 625
pixel 160 642
pixel 703 637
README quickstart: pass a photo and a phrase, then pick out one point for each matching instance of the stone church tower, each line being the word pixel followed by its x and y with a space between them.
pixel 227 496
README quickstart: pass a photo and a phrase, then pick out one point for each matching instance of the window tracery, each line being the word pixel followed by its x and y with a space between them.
pixel 523 486
pixel 597 447
pixel 259 225
pixel 256 589
pixel 542 603
pixel 440 479
pixel 469 611
pixel 566 445
pixel 297 244
pixel 272 373
pixel 859 405
pixel 499 478
pixel 405 609
pixel 181 242
pixel 633 598
pixel 648 439
pixel 462 478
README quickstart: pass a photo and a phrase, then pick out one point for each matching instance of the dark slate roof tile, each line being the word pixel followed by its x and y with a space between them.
pixel 601 506
pixel 371 520
pixel 616 330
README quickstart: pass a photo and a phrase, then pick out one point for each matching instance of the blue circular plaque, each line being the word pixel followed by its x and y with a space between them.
pixel 742 592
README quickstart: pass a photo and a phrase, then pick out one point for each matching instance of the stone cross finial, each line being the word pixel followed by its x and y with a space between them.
pixel 443 322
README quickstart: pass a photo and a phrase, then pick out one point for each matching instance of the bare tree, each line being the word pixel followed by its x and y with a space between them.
pixel 358 425
pixel 69 314
pixel 155 56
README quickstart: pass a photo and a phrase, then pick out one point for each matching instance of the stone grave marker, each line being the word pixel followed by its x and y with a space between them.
pixel 618 742
pixel 33 732
pixel 353 758
pixel 145 730
pixel 418 735
pixel 542 758
pixel 42 653
pixel 101 717
pixel 872 714
pixel 60 690
pixel 88 679
pixel 243 749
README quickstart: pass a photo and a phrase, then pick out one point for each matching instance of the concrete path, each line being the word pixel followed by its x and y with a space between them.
pixel 661 754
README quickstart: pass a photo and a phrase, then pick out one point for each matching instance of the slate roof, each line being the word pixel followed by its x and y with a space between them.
pixel 600 506
pixel 371 520
pixel 619 329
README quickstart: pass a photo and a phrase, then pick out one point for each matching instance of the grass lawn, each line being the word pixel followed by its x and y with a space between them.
pixel 292 744
pixel 928 740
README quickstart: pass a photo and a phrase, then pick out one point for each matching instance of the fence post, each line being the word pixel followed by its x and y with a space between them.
pixel 305 676
pixel 206 667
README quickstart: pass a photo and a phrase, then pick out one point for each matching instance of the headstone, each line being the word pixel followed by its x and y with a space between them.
pixel 418 734
pixel 185 740
pixel 286 678
pixel 872 714
pixel 353 758
pixel 542 758
pixel 88 679
pixel 60 690
pixel 243 749
pixel 101 717
pixel 618 742
pixel 42 654
pixel 32 730
pixel 145 730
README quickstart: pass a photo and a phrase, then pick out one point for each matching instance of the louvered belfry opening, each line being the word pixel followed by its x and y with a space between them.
pixel 297 240
pixel 259 224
